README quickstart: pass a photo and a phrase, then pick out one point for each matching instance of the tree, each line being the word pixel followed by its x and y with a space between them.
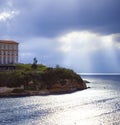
pixel 34 65
pixel 57 66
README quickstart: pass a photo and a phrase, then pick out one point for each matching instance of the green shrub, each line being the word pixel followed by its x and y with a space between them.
pixel 18 90
pixel 41 77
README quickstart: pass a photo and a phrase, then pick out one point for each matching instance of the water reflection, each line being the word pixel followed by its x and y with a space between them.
pixel 94 106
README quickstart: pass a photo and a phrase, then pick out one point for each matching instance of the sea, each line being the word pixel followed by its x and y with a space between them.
pixel 97 105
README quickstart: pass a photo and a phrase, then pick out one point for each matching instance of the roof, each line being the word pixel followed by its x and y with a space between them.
pixel 9 41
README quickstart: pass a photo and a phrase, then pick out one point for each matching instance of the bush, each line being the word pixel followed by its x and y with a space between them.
pixel 11 78
pixel 41 77
pixel 18 90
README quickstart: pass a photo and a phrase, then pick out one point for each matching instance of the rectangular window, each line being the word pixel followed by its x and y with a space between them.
pixel 4 52
pixel 0 60
pixel 12 52
pixel 8 59
pixel 12 59
pixel 4 46
pixel 1 46
pixel 4 60
pixel 8 47
pixel 8 52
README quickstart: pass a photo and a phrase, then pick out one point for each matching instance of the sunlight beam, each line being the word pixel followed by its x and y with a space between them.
pixel 79 49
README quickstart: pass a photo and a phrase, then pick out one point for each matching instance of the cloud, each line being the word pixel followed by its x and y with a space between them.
pixel 82 51
pixel 7 15
pixel 90 52
pixel 116 38
pixel 45 50
pixel 51 18
pixel 75 33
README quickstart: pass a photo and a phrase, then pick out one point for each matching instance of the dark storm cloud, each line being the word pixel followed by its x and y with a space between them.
pixel 50 18
pixel 54 31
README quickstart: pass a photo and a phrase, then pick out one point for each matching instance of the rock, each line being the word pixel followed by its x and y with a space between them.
pixel 85 81
pixel 69 86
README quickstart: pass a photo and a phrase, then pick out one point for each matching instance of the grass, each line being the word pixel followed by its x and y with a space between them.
pixel 41 77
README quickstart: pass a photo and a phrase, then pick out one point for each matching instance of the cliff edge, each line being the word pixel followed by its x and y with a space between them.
pixel 34 82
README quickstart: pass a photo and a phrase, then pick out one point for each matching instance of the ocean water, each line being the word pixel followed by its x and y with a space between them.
pixel 98 105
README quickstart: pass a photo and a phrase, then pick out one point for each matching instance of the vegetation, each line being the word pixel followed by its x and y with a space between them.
pixel 34 65
pixel 28 67
pixel 36 78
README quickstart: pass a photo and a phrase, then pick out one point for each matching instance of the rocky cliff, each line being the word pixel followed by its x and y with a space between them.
pixel 51 81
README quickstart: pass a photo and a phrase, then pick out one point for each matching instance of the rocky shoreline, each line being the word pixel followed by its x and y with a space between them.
pixel 57 89
pixel 35 93
pixel 41 81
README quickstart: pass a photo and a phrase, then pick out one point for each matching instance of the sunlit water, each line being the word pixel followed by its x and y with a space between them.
pixel 98 105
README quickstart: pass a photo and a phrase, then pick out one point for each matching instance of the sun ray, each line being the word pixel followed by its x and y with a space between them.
pixel 79 49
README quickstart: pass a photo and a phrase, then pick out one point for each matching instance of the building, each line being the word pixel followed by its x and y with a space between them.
pixel 8 52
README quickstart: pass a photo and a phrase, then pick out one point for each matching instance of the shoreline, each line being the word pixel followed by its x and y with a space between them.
pixel 7 92
pixel 42 81
pixel 37 93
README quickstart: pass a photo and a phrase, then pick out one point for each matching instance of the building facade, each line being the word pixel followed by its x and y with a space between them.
pixel 8 52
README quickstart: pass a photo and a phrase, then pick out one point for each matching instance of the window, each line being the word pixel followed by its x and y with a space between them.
pixel 4 52
pixel 9 61
pixel 8 47
pixel 0 60
pixel 12 59
pixel 12 52
pixel 4 60
pixel 1 46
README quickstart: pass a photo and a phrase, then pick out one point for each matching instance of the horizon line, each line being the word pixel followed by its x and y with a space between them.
pixel 99 73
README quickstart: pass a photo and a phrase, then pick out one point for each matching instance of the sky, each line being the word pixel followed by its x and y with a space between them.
pixel 83 35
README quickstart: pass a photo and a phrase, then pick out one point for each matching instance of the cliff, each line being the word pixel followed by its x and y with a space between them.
pixel 34 82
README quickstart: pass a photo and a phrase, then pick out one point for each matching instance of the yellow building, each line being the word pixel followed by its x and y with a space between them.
pixel 8 52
